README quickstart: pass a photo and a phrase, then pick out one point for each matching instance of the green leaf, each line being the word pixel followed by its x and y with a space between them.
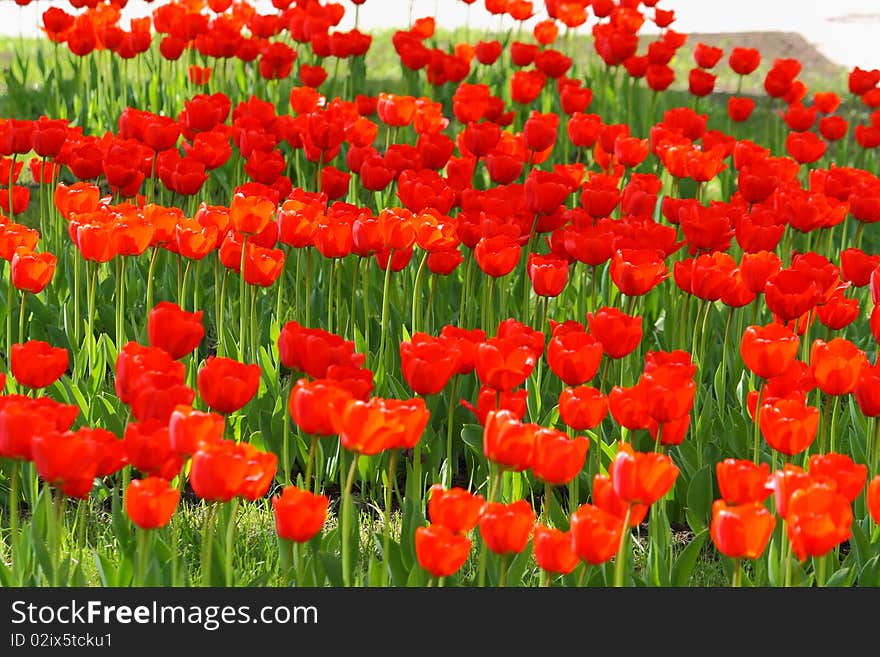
pixel 332 568
pixel 472 436
pixel 699 499
pixel 518 566
pixel 842 577
pixel 684 565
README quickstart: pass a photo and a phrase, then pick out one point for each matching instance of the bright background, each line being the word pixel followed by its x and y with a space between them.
pixel 845 31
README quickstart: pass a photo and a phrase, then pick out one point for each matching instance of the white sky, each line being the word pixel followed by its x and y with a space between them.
pixel 845 31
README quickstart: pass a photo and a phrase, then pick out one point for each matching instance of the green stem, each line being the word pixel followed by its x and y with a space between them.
pixel 175 527
pixel 392 463
pixel 310 461
pixel 242 299
pixel 757 435
pixel 736 579
pixel 308 288
pixel 384 327
pixel 874 452
pixel 502 571
pixel 450 469
pixel 230 537
pixel 346 522
pixel 150 271
pixel 417 294
pixel 207 547
pixel 21 316
pixel 14 479
pixel 93 284
pixel 366 300
pixel 620 561
pixel 10 287
pixel 330 295
pixel 142 536
pixel 76 286
pixel 59 531
pixel 821 564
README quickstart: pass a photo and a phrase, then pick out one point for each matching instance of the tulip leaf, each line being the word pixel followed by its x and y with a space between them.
pixel 517 567
pixel 685 563
pixel 842 577
pixel 394 561
pixel 5 575
pixel 699 499
pixel 559 518
pixel 870 572
pixel 472 436
pixel 332 568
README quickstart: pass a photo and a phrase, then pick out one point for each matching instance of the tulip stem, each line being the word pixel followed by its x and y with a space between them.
pixel 298 563
pixel 417 293
pixel 142 537
pixel 465 288
pixel 93 283
pixel 9 289
pixel 14 479
pixel 502 571
pixel 308 288
pixel 242 300
pixel 736 578
pixel 392 463
pixel 366 302
pixel 874 449
pixel 450 470
pixel 330 295
pixel 757 446
pixel 820 564
pixel 346 522
pixel 620 561
pixel 59 530
pixel 386 288
pixel 150 271
pixel 310 461
pixel 230 537
pixel 222 349
pixel 175 526
pixel 207 539
pixel 21 315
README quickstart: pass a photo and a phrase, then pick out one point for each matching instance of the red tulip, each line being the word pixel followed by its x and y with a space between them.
pixel 741 531
pixel 299 514
pixel 595 534
pixel 553 550
pixel 455 509
pixel 506 528
pixel 849 477
pixel 189 429
pixel 508 442
pixel 151 502
pixel 427 364
pixel 558 459
pixel 768 350
pixel 788 424
pixel 836 365
pixel 640 477
pixel 742 481
pixel 818 519
pixel 226 385
pixel 37 364
pixel 440 551
pixel 175 330
pixel 31 272
pixel 618 332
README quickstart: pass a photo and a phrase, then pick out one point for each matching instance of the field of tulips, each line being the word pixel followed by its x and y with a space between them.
pixel 533 311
